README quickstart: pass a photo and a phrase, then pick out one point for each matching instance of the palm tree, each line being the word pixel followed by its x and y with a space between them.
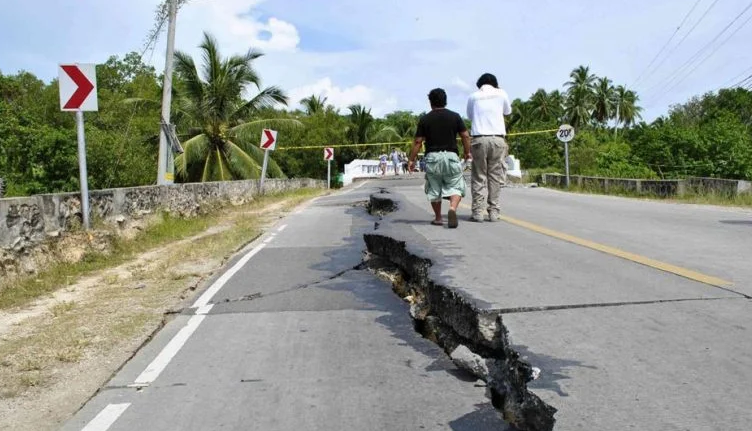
pixel 314 104
pixel 580 89
pixel 522 114
pixel 223 140
pixel 361 122
pixel 603 101
pixel 546 106
pixel 626 106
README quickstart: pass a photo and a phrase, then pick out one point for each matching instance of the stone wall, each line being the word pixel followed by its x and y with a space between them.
pixel 31 223
pixel 664 188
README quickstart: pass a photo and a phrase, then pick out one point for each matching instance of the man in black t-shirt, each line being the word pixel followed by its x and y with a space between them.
pixel 438 130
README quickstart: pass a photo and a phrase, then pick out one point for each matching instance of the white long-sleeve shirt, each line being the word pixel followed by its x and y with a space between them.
pixel 486 109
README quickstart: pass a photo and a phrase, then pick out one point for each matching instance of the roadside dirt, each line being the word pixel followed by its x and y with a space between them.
pixel 56 352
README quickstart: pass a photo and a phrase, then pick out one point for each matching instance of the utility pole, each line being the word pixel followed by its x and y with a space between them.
pixel 616 127
pixel 166 169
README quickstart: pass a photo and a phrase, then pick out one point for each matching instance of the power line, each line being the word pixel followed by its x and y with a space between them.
pixel 667 43
pixel 727 83
pixel 702 17
pixel 713 52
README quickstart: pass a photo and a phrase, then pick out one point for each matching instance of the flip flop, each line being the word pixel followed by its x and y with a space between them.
pixel 437 223
pixel 453 223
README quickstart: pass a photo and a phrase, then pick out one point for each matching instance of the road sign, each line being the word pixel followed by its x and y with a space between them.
pixel 328 153
pixel 565 133
pixel 268 139
pixel 78 87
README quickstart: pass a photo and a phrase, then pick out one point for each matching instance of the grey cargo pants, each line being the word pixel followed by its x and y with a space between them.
pixel 489 173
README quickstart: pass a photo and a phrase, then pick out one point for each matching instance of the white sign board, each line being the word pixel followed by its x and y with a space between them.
pixel 268 139
pixel 328 153
pixel 565 133
pixel 78 87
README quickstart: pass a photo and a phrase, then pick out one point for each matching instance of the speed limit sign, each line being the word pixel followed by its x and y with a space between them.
pixel 565 133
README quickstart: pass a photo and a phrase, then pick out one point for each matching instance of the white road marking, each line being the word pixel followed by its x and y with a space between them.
pixel 204 299
pixel 281 228
pixel 270 239
pixel 172 348
pixel 104 420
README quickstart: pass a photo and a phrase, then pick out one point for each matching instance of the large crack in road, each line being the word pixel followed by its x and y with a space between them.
pixel 476 339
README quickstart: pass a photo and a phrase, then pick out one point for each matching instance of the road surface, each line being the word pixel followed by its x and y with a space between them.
pixel 637 313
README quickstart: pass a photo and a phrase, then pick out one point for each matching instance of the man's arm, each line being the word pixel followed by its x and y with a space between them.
pixel 470 108
pixel 466 145
pixel 417 144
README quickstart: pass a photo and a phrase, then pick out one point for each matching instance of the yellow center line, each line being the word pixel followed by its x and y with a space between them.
pixel 643 260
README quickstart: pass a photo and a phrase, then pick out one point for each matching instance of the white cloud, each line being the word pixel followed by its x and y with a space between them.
pixel 341 98
pixel 231 22
pixel 461 84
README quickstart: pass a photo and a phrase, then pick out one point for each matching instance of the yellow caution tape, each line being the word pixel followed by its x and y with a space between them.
pixel 320 147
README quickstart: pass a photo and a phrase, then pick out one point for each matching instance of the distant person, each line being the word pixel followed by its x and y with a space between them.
pixel 438 130
pixel 395 161
pixel 422 164
pixel 486 109
pixel 382 164
pixel 403 163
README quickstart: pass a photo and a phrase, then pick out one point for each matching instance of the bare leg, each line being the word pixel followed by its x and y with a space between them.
pixel 437 211
pixel 454 202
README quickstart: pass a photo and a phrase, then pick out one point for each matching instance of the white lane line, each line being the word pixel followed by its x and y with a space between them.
pixel 172 348
pixel 104 420
pixel 281 228
pixel 270 239
pixel 204 299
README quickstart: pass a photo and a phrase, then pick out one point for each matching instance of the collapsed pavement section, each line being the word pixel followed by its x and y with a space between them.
pixel 472 334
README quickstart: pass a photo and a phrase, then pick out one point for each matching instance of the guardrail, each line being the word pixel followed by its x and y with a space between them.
pixel 662 188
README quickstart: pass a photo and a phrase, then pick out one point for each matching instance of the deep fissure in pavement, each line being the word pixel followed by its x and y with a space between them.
pixel 475 339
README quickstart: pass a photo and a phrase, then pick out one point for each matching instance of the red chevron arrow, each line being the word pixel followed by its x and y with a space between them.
pixel 269 139
pixel 84 87
pixel 328 153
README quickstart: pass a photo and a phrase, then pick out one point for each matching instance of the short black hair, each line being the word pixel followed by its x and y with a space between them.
pixel 438 98
pixel 487 79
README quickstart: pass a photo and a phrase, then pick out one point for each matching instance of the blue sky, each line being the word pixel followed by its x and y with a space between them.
pixel 387 54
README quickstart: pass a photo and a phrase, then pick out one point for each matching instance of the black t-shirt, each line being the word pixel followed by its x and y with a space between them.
pixel 440 128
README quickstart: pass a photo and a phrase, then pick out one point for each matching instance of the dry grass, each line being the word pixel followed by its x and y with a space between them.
pixel 73 346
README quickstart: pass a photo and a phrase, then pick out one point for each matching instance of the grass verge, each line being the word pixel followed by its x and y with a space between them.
pixel 707 198
pixel 166 229
pixel 52 362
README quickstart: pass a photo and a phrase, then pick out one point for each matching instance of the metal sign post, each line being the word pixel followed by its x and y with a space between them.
pixel 328 156
pixel 268 143
pixel 82 169
pixel 565 134
pixel 78 93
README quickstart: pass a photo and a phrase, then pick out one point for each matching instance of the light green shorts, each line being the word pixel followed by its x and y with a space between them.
pixel 444 176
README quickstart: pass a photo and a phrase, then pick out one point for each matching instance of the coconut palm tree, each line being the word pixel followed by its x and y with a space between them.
pixel 603 100
pixel 223 129
pixel 522 114
pixel 314 104
pixel 546 106
pixel 361 122
pixel 626 106
pixel 580 90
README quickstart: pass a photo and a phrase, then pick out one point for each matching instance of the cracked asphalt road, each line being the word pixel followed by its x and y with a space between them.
pixel 298 338
pixel 620 345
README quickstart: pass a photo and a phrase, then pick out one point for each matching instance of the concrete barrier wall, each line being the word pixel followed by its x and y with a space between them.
pixel 28 221
pixel 664 188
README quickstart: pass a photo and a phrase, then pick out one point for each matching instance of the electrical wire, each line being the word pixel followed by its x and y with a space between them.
pixel 702 17
pixel 671 83
pixel 687 75
pixel 666 44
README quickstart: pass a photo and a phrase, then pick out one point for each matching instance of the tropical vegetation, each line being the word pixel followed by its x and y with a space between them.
pixel 220 107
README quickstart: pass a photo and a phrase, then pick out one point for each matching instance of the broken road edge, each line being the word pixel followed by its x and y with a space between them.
pixel 474 337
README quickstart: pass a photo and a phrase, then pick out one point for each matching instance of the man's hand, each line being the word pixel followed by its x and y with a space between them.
pixel 411 166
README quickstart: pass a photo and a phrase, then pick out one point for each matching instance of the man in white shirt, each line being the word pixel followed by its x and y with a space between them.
pixel 486 109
